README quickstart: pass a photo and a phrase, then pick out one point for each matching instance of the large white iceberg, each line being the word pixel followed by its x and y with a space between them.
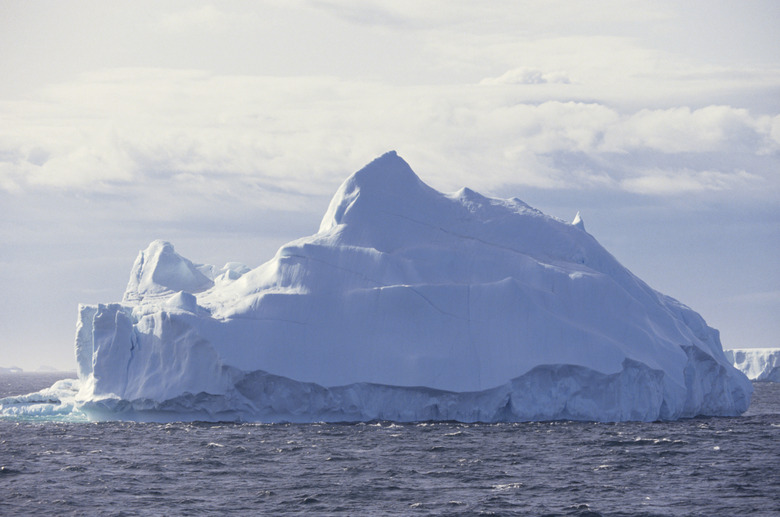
pixel 408 304
pixel 759 364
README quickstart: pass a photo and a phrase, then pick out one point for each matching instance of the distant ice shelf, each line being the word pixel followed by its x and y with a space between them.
pixel 408 304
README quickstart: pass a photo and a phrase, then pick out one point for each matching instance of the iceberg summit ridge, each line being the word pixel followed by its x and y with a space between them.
pixel 408 304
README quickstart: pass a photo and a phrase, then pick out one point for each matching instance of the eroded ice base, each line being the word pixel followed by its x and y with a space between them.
pixel 552 392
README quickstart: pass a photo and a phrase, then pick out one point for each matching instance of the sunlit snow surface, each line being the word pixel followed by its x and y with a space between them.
pixel 407 305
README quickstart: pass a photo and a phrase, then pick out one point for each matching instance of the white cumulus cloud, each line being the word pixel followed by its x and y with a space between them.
pixel 140 125
pixel 679 130
pixel 524 75
pixel 685 181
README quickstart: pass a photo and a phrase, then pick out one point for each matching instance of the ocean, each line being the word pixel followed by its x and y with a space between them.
pixel 696 467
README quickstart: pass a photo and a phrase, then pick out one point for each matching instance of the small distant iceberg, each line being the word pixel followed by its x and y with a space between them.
pixel 55 403
pixel 759 364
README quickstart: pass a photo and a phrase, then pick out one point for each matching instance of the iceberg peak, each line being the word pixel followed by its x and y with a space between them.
pixel 160 271
pixel 389 172
pixel 386 185
pixel 578 222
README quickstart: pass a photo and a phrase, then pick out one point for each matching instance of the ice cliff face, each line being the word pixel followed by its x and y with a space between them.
pixel 408 304
pixel 759 364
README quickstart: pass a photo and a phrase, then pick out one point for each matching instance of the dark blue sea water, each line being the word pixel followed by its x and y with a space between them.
pixel 710 466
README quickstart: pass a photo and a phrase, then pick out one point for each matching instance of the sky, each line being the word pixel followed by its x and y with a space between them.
pixel 226 127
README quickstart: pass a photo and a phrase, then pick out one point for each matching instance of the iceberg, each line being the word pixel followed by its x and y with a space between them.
pixel 759 364
pixel 408 304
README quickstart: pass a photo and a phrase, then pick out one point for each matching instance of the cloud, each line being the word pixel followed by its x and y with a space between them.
pixel 525 75
pixel 679 130
pixel 760 297
pixel 775 130
pixel 167 128
pixel 205 18
pixel 685 181
pixel 364 13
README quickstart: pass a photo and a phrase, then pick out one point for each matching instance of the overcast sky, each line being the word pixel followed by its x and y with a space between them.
pixel 225 128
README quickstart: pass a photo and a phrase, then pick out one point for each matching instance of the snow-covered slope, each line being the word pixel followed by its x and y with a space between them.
pixel 408 304
pixel 759 364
